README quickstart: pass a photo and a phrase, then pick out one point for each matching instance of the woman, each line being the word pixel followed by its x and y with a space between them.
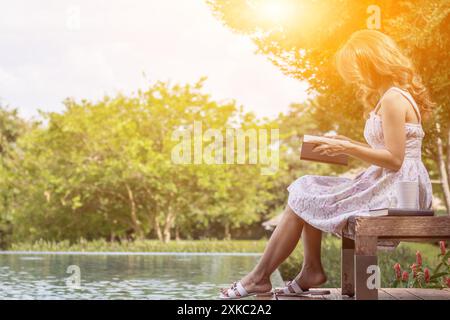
pixel 373 62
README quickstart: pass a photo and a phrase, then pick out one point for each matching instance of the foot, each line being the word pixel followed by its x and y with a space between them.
pixel 252 284
pixel 307 278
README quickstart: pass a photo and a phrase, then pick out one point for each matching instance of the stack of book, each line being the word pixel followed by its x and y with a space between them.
pixel 399 212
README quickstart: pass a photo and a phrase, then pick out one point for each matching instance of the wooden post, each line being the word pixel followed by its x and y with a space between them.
pixel 348 267
pixel 365 260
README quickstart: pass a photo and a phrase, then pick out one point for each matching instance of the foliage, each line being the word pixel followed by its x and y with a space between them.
pixel 304 48
pixel 303 42
pixel 421 276
pixel 105 169
pixel 331 259
pixel 101 245
pixel 11 128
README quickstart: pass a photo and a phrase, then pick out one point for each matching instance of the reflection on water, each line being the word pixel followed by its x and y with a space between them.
pixel 121 276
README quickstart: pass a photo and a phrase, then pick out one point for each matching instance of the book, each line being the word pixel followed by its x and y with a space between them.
pixel 399 212
pixel 307 152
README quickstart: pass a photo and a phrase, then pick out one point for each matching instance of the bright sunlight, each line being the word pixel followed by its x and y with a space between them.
pixel 273 10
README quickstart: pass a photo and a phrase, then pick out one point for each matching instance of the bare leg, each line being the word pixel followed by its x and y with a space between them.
pixel 312 273
pixel 281 244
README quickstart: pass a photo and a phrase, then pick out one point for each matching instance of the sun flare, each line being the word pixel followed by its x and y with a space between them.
pixel 273 10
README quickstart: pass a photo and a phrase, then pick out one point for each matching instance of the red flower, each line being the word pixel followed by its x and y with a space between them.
pixel 414 269
pixel 447 282
pixel 418 258
pixel 405 276
pixel 442 246
pixel 398 271
pixel 426 273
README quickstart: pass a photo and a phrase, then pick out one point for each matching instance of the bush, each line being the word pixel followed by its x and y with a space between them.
pixel 421 275
pixel 5 234
pixel 331 258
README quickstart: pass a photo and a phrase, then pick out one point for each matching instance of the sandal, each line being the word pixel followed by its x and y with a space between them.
pixel 298 292
pixel 237 291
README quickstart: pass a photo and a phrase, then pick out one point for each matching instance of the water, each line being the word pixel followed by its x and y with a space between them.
pixel 121 276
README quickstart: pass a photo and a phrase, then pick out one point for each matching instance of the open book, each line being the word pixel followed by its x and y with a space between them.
pixel 307 152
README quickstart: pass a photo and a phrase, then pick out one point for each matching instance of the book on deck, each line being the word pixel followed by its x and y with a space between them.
pixel 399 212
pixel 307 152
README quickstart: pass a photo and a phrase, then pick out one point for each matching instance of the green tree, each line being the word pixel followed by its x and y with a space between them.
pixel 105 170
pixel 11 128
pixel 303 42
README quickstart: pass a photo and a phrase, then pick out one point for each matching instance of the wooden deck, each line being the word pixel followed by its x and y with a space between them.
pixel 383 294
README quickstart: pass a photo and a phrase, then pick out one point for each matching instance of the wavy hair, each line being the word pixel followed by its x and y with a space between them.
pixel 373 61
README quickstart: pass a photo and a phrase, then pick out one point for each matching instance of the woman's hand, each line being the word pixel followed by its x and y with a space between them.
pixel 338 137
pixel 333 148
pixel 344 138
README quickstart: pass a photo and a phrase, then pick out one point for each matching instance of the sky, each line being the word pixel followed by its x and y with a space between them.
pixel 54 49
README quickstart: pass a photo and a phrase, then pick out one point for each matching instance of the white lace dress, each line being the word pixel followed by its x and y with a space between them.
pixel 327 202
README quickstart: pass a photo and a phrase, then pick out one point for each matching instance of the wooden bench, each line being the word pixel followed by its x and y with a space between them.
pixel 360 240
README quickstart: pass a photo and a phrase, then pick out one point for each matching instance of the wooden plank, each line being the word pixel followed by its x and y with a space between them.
pixel 309 297
pixel 365 257
pixel 335 294
pixel 366 245
pixel 384 295
pixel 306 297
pixel 401 294
pixel 430 294
pixel 415 239
pixel 348 267
pixel 349 229
pixel 265 297
pixel 402 227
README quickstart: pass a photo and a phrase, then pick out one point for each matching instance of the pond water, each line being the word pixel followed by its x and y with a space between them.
pixel 120 276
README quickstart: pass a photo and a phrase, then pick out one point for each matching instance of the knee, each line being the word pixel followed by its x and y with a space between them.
pixel 291 215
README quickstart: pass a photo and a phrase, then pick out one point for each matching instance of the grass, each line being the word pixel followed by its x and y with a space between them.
pixel 404 254
pixel 239 246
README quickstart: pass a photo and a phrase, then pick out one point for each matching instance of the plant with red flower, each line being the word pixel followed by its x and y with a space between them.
pixel 405 276
pixel 398 271
pixel 419 258
pixel 426 273
pixel 414 270
pixel 442 246
pixel 421 276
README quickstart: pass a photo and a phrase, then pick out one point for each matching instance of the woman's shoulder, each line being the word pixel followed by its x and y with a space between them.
pixel 395 93
pixel 394 101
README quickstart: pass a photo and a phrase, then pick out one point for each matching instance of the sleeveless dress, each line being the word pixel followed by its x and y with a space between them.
pixel 327 202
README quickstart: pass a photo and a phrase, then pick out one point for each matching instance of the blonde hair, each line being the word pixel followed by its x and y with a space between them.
pixel 372 60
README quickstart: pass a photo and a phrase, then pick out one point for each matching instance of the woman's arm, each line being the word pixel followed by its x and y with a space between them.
pixel 340 137
pixel 393 113
pixel 361 144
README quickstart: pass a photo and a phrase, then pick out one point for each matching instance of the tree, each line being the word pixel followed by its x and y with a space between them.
pixel 303 40
pixel 105 169
pixel 11 128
